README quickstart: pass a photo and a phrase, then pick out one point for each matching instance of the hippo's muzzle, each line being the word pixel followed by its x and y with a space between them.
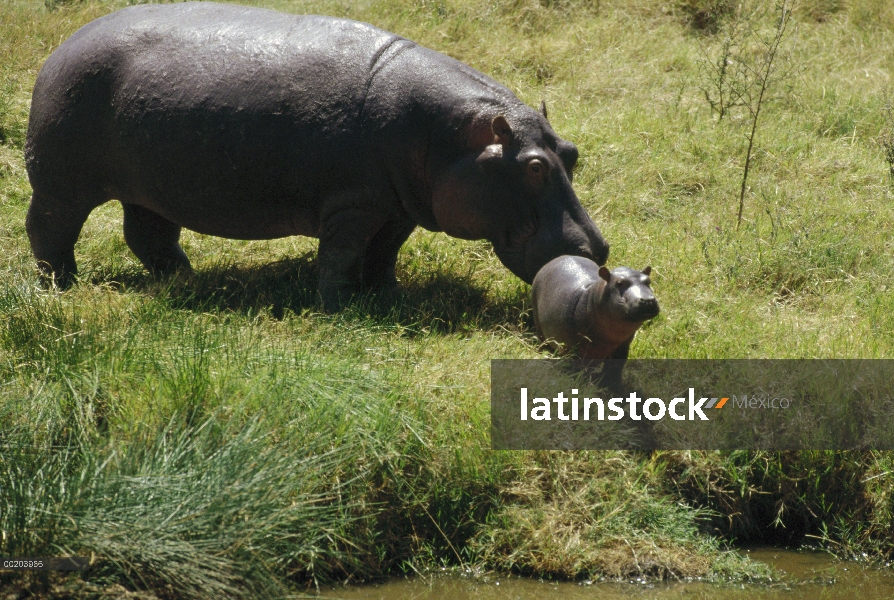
pixel 644 309
pixel 571 241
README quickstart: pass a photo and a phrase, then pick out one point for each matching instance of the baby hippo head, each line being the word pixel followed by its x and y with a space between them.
pixel 627 295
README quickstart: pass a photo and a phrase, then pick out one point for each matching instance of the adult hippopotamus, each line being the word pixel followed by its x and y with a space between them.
pixel 252 124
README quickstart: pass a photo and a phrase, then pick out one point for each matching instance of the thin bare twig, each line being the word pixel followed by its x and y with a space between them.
pixel 763 78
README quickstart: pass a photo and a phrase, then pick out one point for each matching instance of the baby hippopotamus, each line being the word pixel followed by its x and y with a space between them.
pixel 589 312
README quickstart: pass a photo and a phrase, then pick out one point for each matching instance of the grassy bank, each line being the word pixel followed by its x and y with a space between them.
pixel 222 435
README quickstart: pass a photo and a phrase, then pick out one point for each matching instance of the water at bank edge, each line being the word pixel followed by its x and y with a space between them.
pixel 806 575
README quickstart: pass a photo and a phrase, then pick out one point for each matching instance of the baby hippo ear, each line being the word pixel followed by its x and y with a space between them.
pixel 647 271
pixel 605 273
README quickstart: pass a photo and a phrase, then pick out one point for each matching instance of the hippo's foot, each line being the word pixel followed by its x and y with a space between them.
pixel 58 281
pixel 384 282
pixel 335 295
pixel 53 227
pixel 155 241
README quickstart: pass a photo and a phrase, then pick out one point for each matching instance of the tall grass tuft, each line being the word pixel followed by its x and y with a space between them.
pixel 202 509
pixel 584 516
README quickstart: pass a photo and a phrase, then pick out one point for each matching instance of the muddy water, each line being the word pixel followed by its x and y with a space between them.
pixel 807 575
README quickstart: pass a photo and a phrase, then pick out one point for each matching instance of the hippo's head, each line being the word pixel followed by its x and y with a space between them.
pixel 627 295
pixel 514 189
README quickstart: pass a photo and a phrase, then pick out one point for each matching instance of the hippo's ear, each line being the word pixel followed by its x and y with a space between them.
pixel 605 274
pixel 543 109
pixel 647 271
pixel 502 131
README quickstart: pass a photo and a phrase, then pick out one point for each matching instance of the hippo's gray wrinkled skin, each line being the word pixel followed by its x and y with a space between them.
pixel 589 312
pixel 252 124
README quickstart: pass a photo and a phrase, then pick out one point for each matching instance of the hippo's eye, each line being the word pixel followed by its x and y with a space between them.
pixel 537 171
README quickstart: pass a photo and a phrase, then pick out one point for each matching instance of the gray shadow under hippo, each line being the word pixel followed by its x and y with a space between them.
pixel 248 123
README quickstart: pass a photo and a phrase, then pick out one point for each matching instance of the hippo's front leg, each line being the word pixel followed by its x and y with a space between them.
pixel 154 240
pixel 614 367
pixel 381 254
pixel 344 237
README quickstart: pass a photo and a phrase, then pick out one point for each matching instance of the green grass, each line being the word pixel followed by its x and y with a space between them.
pixel 223 435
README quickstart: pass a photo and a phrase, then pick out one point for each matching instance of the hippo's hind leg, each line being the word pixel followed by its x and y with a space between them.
pixel 154 240
pixel 381 254
pixel 53 227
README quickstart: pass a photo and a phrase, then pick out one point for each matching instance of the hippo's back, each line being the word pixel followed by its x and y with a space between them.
pixel 209 104
pixel 557 290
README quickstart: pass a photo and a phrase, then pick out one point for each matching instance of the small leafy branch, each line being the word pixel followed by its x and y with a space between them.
pixel 886 136
pixel 720 72
pixel 748 64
